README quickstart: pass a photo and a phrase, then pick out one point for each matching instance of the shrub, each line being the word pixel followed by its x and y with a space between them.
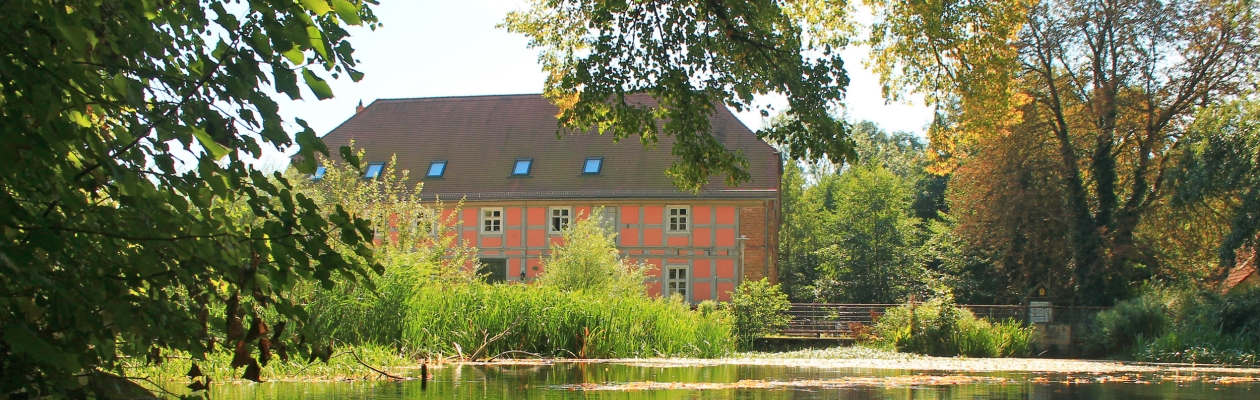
pixel 940 328
pixel 1181 325
pixel 759 309
pixel 588 260
pixel 1116 330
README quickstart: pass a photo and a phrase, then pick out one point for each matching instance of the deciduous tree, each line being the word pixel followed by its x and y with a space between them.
pixel 132 222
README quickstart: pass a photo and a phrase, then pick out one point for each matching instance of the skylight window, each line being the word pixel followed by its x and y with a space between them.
pixel 374 170
pixel 522 166
pixel 319 173
pixel 436 169
pixel 593 165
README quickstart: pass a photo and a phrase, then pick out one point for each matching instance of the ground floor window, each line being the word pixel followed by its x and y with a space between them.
pixel 676 281
pixel 493 270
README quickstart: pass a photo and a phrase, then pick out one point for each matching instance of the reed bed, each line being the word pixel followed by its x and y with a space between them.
pixel 483 321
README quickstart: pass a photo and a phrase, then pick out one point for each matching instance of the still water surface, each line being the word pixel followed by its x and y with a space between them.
pixel 622 381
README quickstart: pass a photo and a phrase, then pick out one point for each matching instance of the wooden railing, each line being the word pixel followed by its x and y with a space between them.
pixel 832 319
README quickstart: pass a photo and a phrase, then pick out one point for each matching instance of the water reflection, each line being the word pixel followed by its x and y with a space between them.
pixel 572 381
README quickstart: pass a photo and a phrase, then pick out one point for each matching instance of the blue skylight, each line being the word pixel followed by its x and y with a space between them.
pixel 436 169
pixel 319 173
pixel 593 165
pixel 374 170
pixel 522 166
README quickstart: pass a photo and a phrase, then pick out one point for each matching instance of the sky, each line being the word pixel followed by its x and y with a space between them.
pixel 430 48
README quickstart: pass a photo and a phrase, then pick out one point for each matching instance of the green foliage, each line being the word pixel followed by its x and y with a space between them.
pixel 1167 324
pixel 759 309
pixel 872 255
pixel 691 57
pixel 1222 161
pixel 414 250
pixel 589 261
pixel 854 234
pixel 1118 329
pixel 129 206
pixel 940 328
pixel 480 321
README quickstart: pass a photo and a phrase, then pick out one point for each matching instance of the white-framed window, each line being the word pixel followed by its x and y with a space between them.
pixel 679 218
pixel 676 281
pixel 560 217
pixel 429 222
pixel 492 220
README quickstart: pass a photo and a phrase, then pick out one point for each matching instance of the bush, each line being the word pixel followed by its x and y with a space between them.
pixel 1181 325
pixel 1116 330
pixel 759 309
pixel 940 328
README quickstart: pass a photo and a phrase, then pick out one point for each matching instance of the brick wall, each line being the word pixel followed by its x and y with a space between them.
pixel 760 225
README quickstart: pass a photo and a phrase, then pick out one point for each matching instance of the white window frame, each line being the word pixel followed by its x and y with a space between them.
pixel 670 219
pixel 486 221
pixel 675 281
pixel 551 219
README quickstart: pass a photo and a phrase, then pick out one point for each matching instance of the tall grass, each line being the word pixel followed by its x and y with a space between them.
pixel 479 321
pixel 940 328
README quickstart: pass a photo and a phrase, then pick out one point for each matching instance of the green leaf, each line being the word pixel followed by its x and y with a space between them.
pixel 216 150
pixel 319 7
pixel 317 85
pixel 347 11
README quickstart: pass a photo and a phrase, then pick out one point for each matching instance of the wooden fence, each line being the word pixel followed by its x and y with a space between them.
pixel 830 319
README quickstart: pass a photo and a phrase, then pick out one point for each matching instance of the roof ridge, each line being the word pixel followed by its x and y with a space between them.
pixel 458 97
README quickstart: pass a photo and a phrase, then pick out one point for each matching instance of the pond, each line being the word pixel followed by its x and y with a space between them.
pixel 630 380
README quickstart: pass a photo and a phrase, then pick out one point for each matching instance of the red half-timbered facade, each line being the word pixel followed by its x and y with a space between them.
pixel 521 186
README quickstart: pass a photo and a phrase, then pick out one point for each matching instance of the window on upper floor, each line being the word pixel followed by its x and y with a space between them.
pixel 592 166
pixel 492 220
pixel 679 218
pixel 319 173
pixel 522 166
pixel 436 169
pixel 560 217
pixel 374 170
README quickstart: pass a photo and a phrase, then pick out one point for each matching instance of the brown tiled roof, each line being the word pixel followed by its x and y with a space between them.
pixel 1245 267
pixel 481 137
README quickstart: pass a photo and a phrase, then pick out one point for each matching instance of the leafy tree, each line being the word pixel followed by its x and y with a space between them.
pixel 691 57
pixel 128 207
pixel 1220 171
pixel 589 261
pixel 871 255
pixel 1112 84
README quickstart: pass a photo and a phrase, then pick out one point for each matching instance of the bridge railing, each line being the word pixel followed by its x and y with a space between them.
pixel 834 319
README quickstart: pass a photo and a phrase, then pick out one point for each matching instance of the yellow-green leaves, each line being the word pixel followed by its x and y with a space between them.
pixel 317 85
pixel 319 7
pixel 348 11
